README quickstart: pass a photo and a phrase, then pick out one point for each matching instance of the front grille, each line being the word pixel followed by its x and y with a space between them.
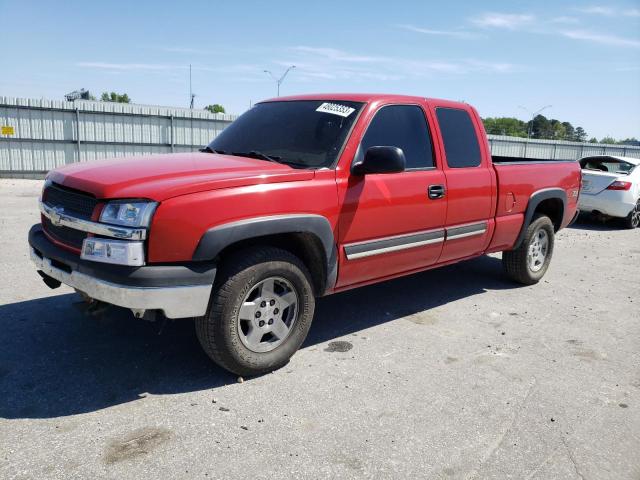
pixel 66 235
pixel 75 203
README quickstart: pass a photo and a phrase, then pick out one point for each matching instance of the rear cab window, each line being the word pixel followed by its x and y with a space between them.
pixel 459 136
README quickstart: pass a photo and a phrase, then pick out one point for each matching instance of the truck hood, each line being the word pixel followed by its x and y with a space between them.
pixel 158 177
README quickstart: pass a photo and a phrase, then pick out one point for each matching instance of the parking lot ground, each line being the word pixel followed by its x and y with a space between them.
pixel 449 374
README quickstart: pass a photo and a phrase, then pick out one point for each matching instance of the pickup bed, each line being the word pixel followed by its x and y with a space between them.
pixel 300 197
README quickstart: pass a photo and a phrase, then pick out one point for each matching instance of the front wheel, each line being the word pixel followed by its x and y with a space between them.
pixel 260 312
pixel 528 263
pixel 633 219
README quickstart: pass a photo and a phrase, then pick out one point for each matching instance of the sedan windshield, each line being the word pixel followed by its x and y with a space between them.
pixel 303 134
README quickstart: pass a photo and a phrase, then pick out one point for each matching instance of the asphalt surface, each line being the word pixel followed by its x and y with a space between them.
pixel 453 373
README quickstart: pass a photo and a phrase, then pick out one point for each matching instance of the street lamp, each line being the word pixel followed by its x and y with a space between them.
pixel 533 115
pixel 281 79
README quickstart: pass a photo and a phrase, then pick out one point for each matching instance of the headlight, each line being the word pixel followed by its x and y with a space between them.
pixel 128 214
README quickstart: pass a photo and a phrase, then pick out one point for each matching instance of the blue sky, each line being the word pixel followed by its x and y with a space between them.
pixel 583 58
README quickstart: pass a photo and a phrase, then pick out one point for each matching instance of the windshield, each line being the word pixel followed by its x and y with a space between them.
pixel 303 134
pixel 606 164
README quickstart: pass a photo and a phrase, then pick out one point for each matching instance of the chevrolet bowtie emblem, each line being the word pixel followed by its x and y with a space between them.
pixel 56 215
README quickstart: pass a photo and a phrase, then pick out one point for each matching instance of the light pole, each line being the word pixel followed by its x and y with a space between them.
pixel 281 79
pixel 533 115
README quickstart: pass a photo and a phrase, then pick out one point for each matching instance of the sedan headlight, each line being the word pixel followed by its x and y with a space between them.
pixel 128 214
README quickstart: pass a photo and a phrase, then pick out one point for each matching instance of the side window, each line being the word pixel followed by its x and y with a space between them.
pixel 405 127
pixel 459 136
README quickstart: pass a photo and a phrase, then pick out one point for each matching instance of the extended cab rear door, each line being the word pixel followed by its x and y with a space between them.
pixel 389 224
pixel 470 179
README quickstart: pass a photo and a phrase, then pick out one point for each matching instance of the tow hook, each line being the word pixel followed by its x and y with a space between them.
pixel 49 281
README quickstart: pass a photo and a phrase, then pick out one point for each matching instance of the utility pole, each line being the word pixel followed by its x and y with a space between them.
pixel 191 94
pixel 533 115
pixel 281 79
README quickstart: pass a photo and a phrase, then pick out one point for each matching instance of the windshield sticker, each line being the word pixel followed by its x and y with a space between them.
pixel 335 109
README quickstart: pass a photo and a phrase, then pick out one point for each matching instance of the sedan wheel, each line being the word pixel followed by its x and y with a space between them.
pixel 633 219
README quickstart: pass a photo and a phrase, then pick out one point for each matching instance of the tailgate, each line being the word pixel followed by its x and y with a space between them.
pixel 594 182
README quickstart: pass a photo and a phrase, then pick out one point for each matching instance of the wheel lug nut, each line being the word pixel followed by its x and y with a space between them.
pixel 272 303
pixel 263 304
pixel 261 324
pixel 270 322
pixel 258 314
pixel 275 311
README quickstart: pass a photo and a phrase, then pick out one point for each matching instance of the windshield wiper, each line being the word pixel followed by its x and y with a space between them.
pixel 258 155
pixel 208 149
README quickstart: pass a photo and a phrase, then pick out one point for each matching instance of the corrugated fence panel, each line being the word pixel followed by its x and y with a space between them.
pixel 50 133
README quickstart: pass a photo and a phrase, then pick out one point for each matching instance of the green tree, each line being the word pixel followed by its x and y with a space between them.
pixel 608 140
pixel 115 97
pixel 540 127
pixel 580 135
pixel 557 130
pixel 215 108
pixel 570 132
pixel 593 140
pixel 511 127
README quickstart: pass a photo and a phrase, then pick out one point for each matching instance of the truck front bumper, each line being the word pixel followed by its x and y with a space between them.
pixel 179 291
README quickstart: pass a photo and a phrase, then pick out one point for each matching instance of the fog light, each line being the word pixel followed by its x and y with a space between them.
pixel 119 252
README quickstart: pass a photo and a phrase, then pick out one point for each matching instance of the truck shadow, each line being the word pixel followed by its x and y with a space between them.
pixel 55 361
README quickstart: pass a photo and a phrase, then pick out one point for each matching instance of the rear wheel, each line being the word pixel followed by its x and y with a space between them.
pixel 528 263
pixel 260 311
pixel 633 219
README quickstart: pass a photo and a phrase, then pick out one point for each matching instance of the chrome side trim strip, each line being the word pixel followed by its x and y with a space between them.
pixel 176 302
pixel 59 218
pixel 464 231
pixel 395 243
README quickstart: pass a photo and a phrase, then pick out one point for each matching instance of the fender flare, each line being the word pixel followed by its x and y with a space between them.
pixel 535 200
pixel 214 240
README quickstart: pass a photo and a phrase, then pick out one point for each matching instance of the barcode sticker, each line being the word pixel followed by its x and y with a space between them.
pixel 335 109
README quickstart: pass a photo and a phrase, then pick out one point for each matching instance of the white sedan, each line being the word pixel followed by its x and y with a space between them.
pixel 611 188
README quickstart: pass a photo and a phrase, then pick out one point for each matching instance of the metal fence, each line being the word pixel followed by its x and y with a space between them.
pixel 555 149
pixel 38 135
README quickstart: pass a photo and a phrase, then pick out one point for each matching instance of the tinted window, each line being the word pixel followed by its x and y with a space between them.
pixel 306 134
pixel 459 136
pixel 402 126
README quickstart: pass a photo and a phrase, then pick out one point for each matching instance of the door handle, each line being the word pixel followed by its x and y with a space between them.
pixel 436 191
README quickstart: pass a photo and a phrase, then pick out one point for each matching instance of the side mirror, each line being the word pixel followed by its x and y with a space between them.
pixel 380 160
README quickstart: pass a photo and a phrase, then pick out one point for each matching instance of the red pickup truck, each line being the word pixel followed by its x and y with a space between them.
pixel 300 197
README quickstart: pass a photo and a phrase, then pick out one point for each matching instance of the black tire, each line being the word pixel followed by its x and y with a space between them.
pixel 633 219
pixel 516 262
pixel 239 274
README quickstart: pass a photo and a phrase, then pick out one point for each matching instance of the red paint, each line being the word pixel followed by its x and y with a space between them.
pixel 198 191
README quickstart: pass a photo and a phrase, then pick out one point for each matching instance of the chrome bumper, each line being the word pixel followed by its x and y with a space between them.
pixel 176 301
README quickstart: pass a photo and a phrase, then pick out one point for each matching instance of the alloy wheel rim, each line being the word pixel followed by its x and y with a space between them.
pixel 267 314
pixel 635 215
pixel 538 249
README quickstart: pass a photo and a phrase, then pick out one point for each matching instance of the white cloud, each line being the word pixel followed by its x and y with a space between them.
pixel 446 33
pixel 126 66
pixel 598 10
pixel 602 38
pixel 324 63
pixel 609 11
pixel 510 21
pixel 564 19
pixel 336 54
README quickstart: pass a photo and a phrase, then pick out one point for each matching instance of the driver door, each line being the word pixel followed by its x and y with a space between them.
pixel 390 224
